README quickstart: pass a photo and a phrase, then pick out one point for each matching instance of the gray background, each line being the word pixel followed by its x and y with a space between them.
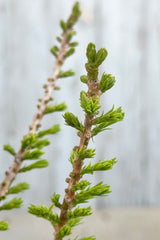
pixel 130 30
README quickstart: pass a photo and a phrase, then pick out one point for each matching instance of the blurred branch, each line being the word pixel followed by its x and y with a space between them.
pixel 65 49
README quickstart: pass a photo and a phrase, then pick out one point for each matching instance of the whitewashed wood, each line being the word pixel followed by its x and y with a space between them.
pixel 130 31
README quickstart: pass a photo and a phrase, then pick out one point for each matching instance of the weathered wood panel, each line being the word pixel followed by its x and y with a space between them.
pixel 130 30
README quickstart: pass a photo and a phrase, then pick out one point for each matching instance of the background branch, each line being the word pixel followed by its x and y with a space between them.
pixel 32 139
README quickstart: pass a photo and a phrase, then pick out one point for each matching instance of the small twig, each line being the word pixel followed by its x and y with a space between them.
pixel 11 174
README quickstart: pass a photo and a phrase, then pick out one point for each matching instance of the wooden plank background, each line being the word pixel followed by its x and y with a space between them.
pixel 130 30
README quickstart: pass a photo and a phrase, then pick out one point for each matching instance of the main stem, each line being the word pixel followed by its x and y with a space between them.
pixel 11 174
pixel 75 175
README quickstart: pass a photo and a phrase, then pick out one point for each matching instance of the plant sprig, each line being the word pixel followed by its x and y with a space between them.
pixel 33 142
pixel 81 191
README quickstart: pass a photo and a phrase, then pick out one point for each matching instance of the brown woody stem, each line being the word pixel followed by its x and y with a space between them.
pixel 11 174
pixel 75 175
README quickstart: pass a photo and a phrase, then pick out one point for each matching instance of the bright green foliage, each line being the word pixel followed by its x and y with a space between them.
pixel 35 154
pixel 94 60
pixel 91 53
pixel 52 130
pixel 9 149
pixel 37 164
pixel 54 50
pixel 74 16
pixel 68 73
pixel 3 226
pixel 64 231
pixel 100 57
pixel 80 185
pixel 79 212
pixel 57 88
pixel 92 71
pixel 63 25
pixel 73 222
pixel 100 128
pixel 70 52
pixel 84 79
pixel 67 28
pixel 110 117
pixel 18 188
pixel 70 36
pixel 55 199
pixel 59 39
pixel 107 81
pixel 27 141
pixel 40 144
pixel 72 157
pixel 99 166
pixel 55 108
pixel 89 105
pixel 73 121
pixel 44 212
pixel 74 44
pixel 107 119
pixel 67 229
pixel 83 153
pixel 14 203
pixel 32 141
pixel 99 189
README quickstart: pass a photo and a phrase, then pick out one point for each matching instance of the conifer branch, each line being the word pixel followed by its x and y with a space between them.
pixel 60 58
pixel 32 138
pixel 77 191
pixel 81 191
pixel 85 136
